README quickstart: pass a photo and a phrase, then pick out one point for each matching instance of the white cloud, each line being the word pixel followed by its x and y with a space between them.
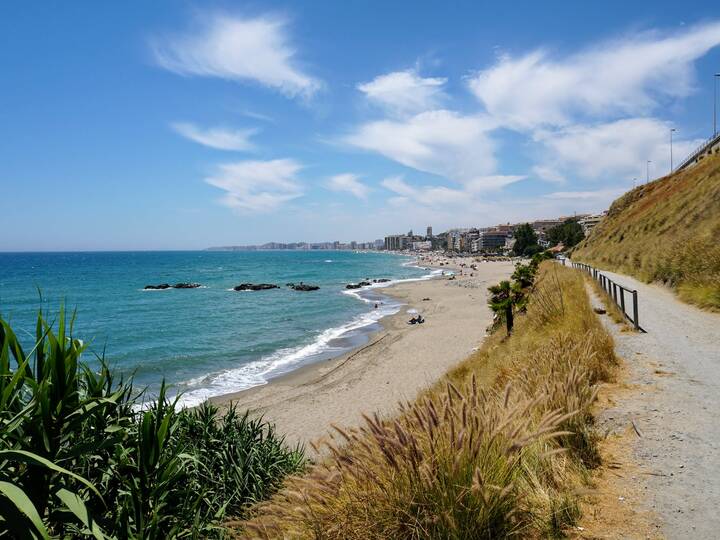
pixel 441 142
pixel 432 196
pixel 492 182
pixel 220 138
pixel 404 92
pixel 258 186
pixel 349 183
pixel 616 78
pixel 548 173
pixel 616 149
pixel 237 49
pixel 584 195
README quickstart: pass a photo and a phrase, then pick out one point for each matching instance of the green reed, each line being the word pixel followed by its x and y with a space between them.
pixel 79 459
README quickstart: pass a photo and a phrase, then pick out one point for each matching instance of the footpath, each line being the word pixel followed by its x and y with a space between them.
pixel 675 410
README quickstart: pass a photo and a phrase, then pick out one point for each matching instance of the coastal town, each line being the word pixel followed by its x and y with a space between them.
pixel 500 239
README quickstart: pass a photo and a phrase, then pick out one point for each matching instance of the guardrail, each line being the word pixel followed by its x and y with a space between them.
pixel 712 141
pixel 615 291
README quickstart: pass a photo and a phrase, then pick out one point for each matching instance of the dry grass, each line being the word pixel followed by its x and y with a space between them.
pixel 608 303
pixel 666 231
pixel 499 448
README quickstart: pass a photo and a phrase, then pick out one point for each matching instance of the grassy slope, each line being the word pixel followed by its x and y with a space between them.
pixel 488 452
pixel 668 231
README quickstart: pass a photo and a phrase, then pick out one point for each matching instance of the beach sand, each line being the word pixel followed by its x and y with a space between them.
pixel 395 365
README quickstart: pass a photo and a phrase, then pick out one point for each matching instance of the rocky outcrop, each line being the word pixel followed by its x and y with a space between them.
pixel 255 287
pixel 381 280
pixel 353 286
pixel 176 286
pixel 304 287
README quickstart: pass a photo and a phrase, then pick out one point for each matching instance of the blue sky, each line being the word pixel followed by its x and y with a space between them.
pixel 179 125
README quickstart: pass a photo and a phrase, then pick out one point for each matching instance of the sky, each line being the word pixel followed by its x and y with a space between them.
pixel 182 125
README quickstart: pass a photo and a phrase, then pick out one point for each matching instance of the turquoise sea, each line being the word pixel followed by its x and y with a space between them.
pixel 211 340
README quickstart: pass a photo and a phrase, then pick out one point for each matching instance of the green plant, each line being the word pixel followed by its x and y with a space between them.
pixel 569 233
pixel 78 458
pixel 526 241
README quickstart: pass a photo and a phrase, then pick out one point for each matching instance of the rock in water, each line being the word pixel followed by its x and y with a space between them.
pixel 186 286
pixel 255 287
pixel 304 287
pixel 353 286
pixel 155 287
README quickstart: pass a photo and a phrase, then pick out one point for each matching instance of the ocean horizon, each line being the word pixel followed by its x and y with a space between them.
pixel 211 340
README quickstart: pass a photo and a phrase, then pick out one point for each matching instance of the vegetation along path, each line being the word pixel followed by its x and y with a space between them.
pixel 676 365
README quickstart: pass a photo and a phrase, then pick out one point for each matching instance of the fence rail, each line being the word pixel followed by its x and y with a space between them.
pixel 712 141
pixel 615 291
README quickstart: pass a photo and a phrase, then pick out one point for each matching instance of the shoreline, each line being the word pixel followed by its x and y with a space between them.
pixel 395 364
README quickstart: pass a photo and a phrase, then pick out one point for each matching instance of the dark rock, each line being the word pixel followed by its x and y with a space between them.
pixel 304 287
pixel 255 287
pixel 353 286
pixel 186 286
pixel 599 311
pixel 383 280
pixel 155 287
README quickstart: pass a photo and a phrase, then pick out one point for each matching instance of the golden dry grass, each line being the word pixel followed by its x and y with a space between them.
pixel 608 303
pixel 499 448
pixel 666 231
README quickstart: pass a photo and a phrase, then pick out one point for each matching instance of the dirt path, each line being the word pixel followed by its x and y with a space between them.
pixel 675 368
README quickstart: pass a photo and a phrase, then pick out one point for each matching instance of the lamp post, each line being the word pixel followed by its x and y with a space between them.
pixel 647 171
pixel 715 80
pixel 671 156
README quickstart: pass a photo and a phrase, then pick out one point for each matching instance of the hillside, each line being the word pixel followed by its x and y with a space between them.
pixel 667 231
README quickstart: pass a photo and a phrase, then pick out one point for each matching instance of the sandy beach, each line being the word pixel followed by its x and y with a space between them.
pixel 397 363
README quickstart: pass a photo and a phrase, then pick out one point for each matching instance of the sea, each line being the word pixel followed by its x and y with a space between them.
pixel 211 340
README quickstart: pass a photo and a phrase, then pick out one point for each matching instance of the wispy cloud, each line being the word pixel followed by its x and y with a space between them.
pixel 626 76
pixel 616 149
pixel 584 195
pixel 219 138
pixel 349 183
pixel 427 195
pixel 405 92
pixel 441 142
pixel 239 49
pixel 258 186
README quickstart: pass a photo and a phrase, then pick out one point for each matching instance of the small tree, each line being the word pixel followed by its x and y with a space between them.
pixel 526 241
pixel 504 297
pixel 569 233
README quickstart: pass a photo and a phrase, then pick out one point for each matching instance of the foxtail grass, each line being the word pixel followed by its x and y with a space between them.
pixel 499 448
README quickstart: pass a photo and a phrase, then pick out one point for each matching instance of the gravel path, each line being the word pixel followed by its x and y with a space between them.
pixel 676 367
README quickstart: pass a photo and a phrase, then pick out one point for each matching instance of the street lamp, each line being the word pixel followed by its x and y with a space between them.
pixel 715 80
pixel 671 156
pixel 647 171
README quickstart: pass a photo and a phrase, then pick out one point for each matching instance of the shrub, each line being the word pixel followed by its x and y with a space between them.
pixel 78 458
